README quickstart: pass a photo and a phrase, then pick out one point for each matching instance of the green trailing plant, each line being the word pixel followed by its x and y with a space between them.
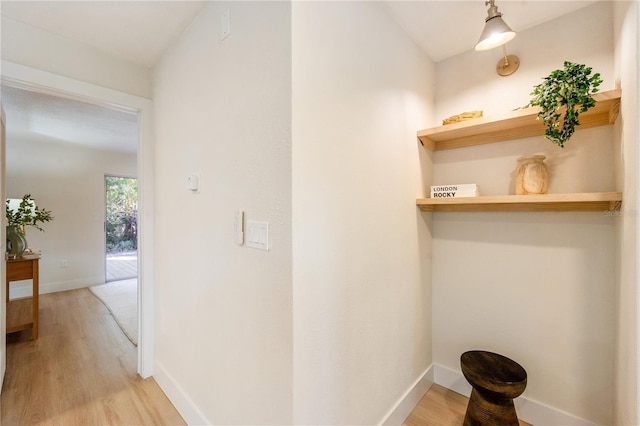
pixel 27 214
pixel 562 96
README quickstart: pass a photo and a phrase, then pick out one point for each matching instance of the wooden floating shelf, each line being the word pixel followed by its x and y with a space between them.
pixel 593 201
pixel 517 124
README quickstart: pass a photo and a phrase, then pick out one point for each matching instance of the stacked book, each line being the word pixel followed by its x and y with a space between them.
pixel 455 191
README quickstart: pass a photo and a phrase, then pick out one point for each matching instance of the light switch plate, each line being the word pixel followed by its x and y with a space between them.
pixel 258 235
pixel 193 182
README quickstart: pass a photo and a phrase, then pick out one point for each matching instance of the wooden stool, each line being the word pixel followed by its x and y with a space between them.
pixel 496 381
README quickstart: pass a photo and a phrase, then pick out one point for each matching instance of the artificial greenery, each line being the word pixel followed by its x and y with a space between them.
pixel 27 214
pixel 569 88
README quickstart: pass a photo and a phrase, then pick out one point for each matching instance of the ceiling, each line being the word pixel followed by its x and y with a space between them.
pixel 137 31
pixel 141 31
pixel 447 28
pixel 45 118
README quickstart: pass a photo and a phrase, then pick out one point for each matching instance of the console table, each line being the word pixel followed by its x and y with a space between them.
pixel 22 314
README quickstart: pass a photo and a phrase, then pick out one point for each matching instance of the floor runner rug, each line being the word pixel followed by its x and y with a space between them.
pixel 121 298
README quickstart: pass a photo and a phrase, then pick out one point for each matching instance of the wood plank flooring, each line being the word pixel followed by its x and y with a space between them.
pixel 440 407
pixel 81 371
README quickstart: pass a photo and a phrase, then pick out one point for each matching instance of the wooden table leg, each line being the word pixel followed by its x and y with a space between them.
pixel 36 296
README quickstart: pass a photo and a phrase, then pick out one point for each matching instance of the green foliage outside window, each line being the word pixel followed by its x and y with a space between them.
pixel 122 214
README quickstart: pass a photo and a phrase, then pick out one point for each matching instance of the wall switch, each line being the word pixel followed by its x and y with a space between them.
pixel 64 263
pixel 193 182
pixel 238 226
pixel 225 24
pixel 258 235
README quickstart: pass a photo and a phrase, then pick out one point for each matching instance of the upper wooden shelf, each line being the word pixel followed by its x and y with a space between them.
pixel 592 201
pixel 521 123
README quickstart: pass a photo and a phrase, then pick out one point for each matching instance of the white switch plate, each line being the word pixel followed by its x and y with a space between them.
pixel 193 182
pixel 258 235
pixel 225 25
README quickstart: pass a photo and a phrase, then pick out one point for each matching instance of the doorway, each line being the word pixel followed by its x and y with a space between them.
pixel 121 228
pixel 36 80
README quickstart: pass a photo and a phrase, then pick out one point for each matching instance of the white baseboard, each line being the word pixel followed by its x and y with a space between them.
pixel 528 410
pixel 410 399
pixel 451 379
pixel 23 289
pixel 178 397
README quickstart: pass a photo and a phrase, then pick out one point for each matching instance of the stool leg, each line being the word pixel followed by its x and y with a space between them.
pixel 489 410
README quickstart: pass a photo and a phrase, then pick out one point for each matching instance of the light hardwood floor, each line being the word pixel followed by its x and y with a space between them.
pixel 440 407
pixel 81 371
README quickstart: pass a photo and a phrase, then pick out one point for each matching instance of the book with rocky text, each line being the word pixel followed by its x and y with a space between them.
pixel 455 194
pixel 454 191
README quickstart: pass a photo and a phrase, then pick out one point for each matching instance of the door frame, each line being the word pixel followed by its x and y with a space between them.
pixel 3 265
pixel 23 77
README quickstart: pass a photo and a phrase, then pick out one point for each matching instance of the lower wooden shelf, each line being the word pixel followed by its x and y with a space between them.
pixel 22 314
pixel 19 314
pixel 590 201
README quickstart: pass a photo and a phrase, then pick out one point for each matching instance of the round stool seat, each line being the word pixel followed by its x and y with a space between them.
pixel 494 373
pixel 496 380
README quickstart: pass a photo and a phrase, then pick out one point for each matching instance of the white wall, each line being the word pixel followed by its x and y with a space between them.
pixel 537 287
pixel 68 180
pixel 361 251
pixel 33 47
pixel 224 311
pixel 361 299
pixel 626 399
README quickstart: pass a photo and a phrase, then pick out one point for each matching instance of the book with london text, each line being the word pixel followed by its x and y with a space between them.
pixel 465 187
pixel 465 190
